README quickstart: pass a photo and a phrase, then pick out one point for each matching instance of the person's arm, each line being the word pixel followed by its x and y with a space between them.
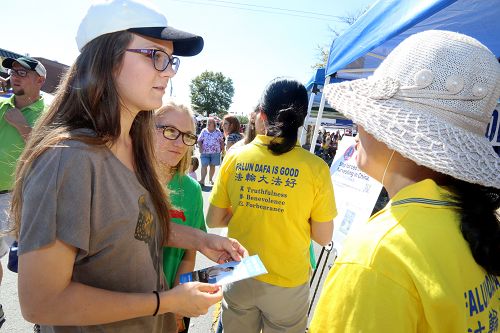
pixel 229 145
pixel 217 248
pixel 16 119
pixel 222 142
pixel 4 83
pixel 186 266
pixel 218 217
pixel 324 209
pixel 48 296
pixel 201 138
pixel 322 232
pixel 222 145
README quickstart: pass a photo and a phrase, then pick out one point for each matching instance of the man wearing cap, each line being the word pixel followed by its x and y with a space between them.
pixel 17 116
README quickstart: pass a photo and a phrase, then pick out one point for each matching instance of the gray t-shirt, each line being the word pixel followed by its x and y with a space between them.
pixel 84 196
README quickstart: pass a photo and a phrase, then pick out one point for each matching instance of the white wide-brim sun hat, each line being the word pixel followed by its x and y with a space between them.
pixel 431 100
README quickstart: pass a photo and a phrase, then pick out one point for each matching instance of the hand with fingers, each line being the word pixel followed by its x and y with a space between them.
pixel 191 299
pixel 222 249
pixel 15 117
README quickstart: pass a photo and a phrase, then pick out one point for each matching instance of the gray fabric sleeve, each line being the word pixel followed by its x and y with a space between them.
pixel 57 200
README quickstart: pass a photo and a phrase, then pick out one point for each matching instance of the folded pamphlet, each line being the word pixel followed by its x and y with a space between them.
pixel 228 272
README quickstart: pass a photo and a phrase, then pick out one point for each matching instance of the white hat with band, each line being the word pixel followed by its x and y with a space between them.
pixel 431 100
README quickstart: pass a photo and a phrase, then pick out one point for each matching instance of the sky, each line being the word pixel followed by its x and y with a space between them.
pixel 251 42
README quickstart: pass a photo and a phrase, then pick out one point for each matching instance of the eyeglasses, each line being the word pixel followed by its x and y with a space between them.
pixel 18 72
pixel 172 133
pixel 160 58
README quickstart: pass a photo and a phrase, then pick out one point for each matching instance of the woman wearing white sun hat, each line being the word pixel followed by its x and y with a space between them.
pixel 430 260
pixel 89 207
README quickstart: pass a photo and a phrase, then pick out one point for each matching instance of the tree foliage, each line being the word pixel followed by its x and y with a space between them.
pixel 211 93
pixel 323 51
pixel 242 119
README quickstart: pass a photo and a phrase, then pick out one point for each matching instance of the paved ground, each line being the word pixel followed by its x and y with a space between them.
pixel 16 324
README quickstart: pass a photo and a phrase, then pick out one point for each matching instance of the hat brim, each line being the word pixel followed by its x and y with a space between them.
pixel 418 135
pixel 185 44
pixel 8 62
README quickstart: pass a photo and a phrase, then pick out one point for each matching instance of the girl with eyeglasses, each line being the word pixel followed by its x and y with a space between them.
pixel 175 139
pixel 90 210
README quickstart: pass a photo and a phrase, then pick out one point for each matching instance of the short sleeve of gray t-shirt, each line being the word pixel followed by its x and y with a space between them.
pixel 84 196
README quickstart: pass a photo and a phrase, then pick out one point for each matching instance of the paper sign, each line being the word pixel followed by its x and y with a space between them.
pixel 355 192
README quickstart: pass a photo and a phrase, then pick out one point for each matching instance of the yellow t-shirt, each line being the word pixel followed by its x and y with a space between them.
pixel 273 198
pixel 409 269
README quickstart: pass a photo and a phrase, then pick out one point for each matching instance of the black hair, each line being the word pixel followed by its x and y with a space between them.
pixel 284 102
pixel 479 221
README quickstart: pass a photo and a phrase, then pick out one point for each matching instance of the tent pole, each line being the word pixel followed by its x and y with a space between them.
pixel 318 118
pixel 303 133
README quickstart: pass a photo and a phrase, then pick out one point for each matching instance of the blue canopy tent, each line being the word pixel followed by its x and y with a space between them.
pixel 371 38
pixel 314 88
pixel 361 48
pixel 316 80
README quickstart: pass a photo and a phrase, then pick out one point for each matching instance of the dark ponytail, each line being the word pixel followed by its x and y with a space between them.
pixel 284 102
pixel 479 221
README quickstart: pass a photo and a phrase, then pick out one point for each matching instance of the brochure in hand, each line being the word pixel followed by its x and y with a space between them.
pixel 229 272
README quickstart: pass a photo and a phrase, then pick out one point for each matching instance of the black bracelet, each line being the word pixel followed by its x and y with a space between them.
pixel 157 302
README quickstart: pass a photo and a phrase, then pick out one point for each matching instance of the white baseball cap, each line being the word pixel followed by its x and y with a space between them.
pixel 137 16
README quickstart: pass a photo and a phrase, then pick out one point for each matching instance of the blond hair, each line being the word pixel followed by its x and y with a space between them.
pixel 183 165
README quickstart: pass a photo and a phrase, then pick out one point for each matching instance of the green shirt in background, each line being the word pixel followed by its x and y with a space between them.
pixel 11 142
pixel 187 209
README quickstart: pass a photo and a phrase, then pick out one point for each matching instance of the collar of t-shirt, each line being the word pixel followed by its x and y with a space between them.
pixel 35 105
pixel 425 192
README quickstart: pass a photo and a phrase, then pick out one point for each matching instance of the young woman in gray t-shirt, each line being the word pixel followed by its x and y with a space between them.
pixel 90 212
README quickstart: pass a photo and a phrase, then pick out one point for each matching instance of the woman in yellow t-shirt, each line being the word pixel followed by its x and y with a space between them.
pixel 274 197
pixel 429 261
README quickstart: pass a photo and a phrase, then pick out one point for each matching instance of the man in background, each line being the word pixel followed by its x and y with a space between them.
pixel 17 117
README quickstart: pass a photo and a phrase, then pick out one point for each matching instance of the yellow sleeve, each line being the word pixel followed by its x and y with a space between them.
pixel 324 208
pixel 220 195
pixel 360 299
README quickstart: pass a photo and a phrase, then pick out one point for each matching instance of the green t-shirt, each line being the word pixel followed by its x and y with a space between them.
pixel 11 142
pixel 187 209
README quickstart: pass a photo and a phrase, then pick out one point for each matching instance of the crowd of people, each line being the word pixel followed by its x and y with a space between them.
pixel 100 191
pixel 327 144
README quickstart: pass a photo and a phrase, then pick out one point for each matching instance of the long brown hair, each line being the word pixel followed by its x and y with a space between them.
pixel 234 123
pixel 88 98
pixel 251 132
